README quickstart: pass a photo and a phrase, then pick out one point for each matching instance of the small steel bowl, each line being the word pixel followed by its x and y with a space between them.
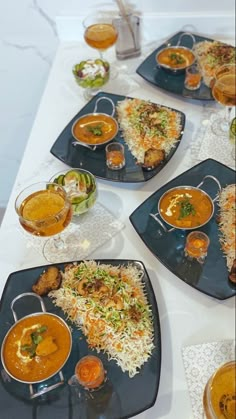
pixel 93 146
pixel 187 53
pixel 187 188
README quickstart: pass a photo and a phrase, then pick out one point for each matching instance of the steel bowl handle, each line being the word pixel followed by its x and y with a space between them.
pixel 155 216
pixel 109 100
pixel 25 294
pixel 186 34
pixel 75 143
pixel 215 180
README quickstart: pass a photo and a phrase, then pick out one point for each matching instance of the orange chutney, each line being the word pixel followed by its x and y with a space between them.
pixel 28 362
pixel 95 129
pixel 90 372
pixel 185 207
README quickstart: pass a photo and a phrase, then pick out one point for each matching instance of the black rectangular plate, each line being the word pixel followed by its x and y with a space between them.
pixel 95 161
pixel 173 83
pixel 210 278
pixel 142 389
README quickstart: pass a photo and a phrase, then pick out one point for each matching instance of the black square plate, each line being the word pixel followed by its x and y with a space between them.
pixel 127 396
pixel 149 70
pixel 94 161
pixel 210 278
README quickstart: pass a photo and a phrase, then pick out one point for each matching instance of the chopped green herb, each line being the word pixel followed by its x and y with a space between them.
pixel 96 130
pixel 186 208
pixel 177 58
pixel 36 338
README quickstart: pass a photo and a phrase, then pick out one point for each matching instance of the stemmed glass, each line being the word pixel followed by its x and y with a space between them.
pixel 99 32
pixel 224 91
pixel 45 210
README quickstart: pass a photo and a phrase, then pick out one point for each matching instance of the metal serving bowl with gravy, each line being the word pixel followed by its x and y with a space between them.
pixel 36 347
pixel 95 130
pixel 175 59
pixel 186 207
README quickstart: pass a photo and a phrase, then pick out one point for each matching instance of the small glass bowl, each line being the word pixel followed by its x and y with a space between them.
pixel 81 188
pixel 91 75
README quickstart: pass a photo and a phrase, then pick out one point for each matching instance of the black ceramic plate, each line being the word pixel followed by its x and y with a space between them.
pixel 210 278
pixel 123 397
pixel 94 161
pixel 149 70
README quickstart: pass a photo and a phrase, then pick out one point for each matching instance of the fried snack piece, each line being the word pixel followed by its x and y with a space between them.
pixel 49 280
pixel 153 157
pixel 232 275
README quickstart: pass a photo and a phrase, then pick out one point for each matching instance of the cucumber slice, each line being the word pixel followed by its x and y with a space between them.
pixel 72 175
pixel 78 199
pixel 60 180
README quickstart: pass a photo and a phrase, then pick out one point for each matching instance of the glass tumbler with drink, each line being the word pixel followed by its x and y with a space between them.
pixel 45 210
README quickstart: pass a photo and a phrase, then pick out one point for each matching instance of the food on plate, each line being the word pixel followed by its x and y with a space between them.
pixel 175 57
pixel 36 347
pixel 94 129
pixel 81 188
pixel 108 303
pixel 185 207
pixel 91 73
pixel 211 55
pixel 227 224
pixel 153 157
pixel 90 372
pixel 148 127
pixel 49 280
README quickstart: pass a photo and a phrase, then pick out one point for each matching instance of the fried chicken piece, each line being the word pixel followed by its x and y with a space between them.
pixel 49 280
pixel 153 157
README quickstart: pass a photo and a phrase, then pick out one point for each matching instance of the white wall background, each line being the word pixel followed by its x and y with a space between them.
pixel 28 42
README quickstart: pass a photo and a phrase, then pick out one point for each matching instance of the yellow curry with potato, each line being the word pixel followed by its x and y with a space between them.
pixel 185 208
pixel 36 347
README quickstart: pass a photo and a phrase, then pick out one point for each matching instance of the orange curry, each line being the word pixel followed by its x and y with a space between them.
pixel 36 347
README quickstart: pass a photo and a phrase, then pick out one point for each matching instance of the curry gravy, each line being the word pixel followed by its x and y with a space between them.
pixel 51 352
pixel 185 208
pixel 95 129
pixel 176 57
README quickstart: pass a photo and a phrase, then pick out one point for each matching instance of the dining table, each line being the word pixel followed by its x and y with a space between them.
pixel 191 322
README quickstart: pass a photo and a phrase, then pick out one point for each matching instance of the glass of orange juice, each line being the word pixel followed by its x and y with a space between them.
pixel 44 209
pixel 219 398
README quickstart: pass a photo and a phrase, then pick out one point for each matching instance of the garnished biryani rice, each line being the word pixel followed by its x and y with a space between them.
pixel 108 303
pixel 227 224
pixel 146 125
pixel 211 55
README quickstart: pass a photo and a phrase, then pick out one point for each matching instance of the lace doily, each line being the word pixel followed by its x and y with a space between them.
pixel 208 145
pixel 200 362
pixel 85 233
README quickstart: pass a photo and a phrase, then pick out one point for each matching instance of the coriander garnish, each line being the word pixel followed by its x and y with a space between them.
pixel 186 208
pixel 96 130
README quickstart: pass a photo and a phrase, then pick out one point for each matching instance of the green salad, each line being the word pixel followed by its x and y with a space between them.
pixel 91 73
pixel 81 188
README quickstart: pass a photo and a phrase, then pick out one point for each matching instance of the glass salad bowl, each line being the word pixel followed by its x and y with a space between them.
pixel 91 75
pixel 81 188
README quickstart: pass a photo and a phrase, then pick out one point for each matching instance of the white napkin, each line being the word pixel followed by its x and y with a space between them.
pixel 200 362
